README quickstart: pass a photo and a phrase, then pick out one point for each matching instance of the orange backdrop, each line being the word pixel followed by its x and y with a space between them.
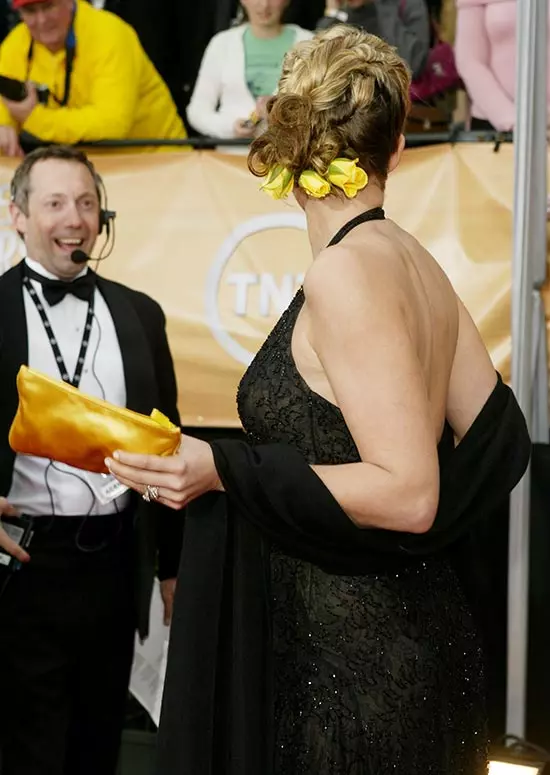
pixel 224 260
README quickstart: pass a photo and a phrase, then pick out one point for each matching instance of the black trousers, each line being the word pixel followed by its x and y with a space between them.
pixel 66 645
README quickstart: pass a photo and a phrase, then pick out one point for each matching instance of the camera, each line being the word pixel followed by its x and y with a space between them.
pixel 16 90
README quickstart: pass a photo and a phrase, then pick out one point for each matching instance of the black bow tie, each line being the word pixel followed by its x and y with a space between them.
pixel 55 290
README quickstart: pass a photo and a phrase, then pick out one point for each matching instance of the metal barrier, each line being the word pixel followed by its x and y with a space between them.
pixel 455 134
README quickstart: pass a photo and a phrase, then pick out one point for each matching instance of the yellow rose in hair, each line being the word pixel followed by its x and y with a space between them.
pixel 279 183
pixel 313 184
pixel 345 174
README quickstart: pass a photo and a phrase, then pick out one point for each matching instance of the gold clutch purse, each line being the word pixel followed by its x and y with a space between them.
pixel 55 420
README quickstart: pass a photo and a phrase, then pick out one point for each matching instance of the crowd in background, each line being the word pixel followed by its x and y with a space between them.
pixel 220 61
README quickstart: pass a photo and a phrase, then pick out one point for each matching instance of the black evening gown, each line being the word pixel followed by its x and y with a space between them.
pixel 374 664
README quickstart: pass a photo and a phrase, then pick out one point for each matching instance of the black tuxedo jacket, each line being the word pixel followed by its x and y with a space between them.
pixel 150 383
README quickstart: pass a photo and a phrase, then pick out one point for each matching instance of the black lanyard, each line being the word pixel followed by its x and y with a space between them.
pixel 75 381
pixel 70 53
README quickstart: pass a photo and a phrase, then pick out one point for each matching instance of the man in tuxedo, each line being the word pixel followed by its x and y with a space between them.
pixel 71 602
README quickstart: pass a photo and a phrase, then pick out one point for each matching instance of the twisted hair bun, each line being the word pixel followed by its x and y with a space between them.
pixel 344 93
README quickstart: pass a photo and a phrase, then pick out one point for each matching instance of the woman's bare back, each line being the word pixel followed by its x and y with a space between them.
pixel 458 372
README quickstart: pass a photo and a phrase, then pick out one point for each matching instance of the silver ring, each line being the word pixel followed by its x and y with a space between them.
pixel 150 494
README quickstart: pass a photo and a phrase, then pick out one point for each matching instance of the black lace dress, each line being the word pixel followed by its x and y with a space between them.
pixel 373 674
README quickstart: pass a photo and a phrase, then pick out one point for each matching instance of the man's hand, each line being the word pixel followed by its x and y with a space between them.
pixel 167 592
pixel 20 111
pixel 9 142
pixel 333 5
pixel 6 543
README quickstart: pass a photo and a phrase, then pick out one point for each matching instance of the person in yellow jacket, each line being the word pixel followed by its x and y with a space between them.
pixel 101 83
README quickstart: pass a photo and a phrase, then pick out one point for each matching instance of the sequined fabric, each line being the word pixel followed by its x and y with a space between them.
pixel 374 674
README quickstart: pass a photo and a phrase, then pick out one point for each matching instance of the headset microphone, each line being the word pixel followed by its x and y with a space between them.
pixel 79 257
pixel 107 223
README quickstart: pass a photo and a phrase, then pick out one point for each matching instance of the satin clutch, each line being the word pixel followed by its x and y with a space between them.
pixel 55 420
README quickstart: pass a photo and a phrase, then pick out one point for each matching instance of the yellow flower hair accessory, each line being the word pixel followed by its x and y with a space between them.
pixel 279 183
pixel 342 173
pixel 345 174
pixel 314 184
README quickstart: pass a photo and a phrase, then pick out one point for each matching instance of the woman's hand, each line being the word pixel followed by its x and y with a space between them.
pixel 179 479
pixel 244 128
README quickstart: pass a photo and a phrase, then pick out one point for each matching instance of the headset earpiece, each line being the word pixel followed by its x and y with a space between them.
pixel 105 219
pixel 106 216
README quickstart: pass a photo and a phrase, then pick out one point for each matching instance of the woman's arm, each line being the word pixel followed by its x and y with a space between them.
pixel 202 111
pixel 359 332
pixel 472 52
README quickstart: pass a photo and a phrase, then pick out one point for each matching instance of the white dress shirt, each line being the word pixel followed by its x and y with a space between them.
pixel 42 487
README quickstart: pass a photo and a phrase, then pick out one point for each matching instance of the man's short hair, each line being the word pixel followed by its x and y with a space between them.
pixel 21 181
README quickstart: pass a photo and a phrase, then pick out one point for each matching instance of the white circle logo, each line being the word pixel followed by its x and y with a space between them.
pixel 242 281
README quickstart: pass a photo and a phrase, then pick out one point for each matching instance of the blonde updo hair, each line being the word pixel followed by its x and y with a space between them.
pixel 343 94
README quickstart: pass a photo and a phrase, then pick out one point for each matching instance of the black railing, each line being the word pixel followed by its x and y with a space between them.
pixel 454 135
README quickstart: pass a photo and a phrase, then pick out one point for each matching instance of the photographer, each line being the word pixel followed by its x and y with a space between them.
pixel 99 82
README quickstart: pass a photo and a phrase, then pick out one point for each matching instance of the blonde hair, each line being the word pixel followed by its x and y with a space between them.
pixel 343 94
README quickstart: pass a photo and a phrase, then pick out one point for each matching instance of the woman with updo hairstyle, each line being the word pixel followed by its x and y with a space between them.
pixel 337 100
pixel 319 625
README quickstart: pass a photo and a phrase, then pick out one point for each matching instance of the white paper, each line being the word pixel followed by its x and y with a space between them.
pixel 149 667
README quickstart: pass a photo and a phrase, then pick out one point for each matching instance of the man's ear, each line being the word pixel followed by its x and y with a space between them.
pixel 18 220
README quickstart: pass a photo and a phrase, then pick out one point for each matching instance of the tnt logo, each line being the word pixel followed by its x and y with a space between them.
pixel 253 278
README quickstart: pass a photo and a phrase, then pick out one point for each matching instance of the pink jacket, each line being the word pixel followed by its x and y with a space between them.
pixel 485 49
